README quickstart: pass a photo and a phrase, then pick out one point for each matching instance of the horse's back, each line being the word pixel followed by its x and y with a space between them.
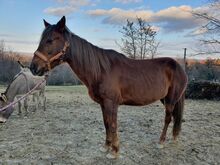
pixel 142 82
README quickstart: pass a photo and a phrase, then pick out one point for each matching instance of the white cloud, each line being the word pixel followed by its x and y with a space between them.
pixel 155 28
pixel 79 3
pixel 128 1
pixel 170 19
pixel 119 16
pixel 70 6
pixel 199 31
pixel 60 11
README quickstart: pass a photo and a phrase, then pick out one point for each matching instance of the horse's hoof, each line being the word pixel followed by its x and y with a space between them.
pixel 112 156
pixel 2 119
pixel 104 149
pixel 175 141
pixel 160 146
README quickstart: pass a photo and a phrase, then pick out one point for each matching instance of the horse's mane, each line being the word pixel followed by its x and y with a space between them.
pixel 89 57
pixel 14 78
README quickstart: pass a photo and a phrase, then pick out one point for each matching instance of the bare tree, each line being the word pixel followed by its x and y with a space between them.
pixel 2 48
pixel 138 39
pixel 8 65
pixel 211 29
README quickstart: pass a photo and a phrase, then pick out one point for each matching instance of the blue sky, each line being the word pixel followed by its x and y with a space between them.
pixel 99 21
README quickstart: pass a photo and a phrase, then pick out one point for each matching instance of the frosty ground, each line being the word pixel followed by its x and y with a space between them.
pixel 71 131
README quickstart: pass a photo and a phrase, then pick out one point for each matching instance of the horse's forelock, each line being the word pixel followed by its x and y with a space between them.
pixel 46 34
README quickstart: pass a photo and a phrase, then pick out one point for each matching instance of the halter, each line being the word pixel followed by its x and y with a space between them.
pixel 47 60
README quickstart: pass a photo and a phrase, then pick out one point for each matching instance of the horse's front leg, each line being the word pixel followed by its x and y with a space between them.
pixel 109 110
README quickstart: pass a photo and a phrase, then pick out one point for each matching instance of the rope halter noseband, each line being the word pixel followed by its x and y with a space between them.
pixel 49 60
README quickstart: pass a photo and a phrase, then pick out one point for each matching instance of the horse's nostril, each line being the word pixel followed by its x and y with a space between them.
pixel 33 68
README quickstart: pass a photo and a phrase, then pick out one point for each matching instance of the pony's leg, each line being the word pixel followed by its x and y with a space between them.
pixel 33 98
pixel 34 101
pixel 19 108
pixel 44 102
pixel 109 110
pixel 168 117
pixel 26 106
pixel 37 101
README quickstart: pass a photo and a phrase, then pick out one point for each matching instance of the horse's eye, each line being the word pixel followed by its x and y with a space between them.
pixel 49 41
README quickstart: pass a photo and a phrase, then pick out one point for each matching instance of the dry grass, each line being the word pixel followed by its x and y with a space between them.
pixel 71 131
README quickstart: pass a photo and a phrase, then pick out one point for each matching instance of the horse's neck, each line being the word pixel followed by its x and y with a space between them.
pixel 80 70
pixel 80 73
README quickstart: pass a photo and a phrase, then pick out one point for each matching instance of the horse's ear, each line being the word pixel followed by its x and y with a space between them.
pixel 46 24
pixel 1 99
pixel 20 64
pixel 61 24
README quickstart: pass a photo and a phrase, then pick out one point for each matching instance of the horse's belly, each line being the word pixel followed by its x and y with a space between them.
pixel 142 97
pixel 140 100
pixel 137 102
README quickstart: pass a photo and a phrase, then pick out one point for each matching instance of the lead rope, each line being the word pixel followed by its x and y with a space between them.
pixel 24 96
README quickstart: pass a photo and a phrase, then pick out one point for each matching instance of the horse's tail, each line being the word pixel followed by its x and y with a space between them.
pixel 177 115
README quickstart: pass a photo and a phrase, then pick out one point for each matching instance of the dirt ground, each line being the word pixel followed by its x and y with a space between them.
pixel 71 131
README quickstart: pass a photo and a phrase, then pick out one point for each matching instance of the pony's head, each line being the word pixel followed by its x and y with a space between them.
pixel 23 67
pixel 3 99
pixel 4 115
pixel 52 48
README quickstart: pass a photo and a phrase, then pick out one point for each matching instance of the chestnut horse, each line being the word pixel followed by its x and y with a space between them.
pixel 113 79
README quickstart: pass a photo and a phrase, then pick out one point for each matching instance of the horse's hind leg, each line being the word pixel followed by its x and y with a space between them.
pixel 177 117
pixel 168 117
pixel 169 102
pixel 174 106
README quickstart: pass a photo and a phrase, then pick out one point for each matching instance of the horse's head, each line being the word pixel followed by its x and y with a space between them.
pixel 51 49
pixel 4 115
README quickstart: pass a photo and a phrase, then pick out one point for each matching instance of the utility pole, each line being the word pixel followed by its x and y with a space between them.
pixel 185 62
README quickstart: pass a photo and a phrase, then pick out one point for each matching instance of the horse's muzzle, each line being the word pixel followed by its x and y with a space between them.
pixel 6 114
pixel 36 70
